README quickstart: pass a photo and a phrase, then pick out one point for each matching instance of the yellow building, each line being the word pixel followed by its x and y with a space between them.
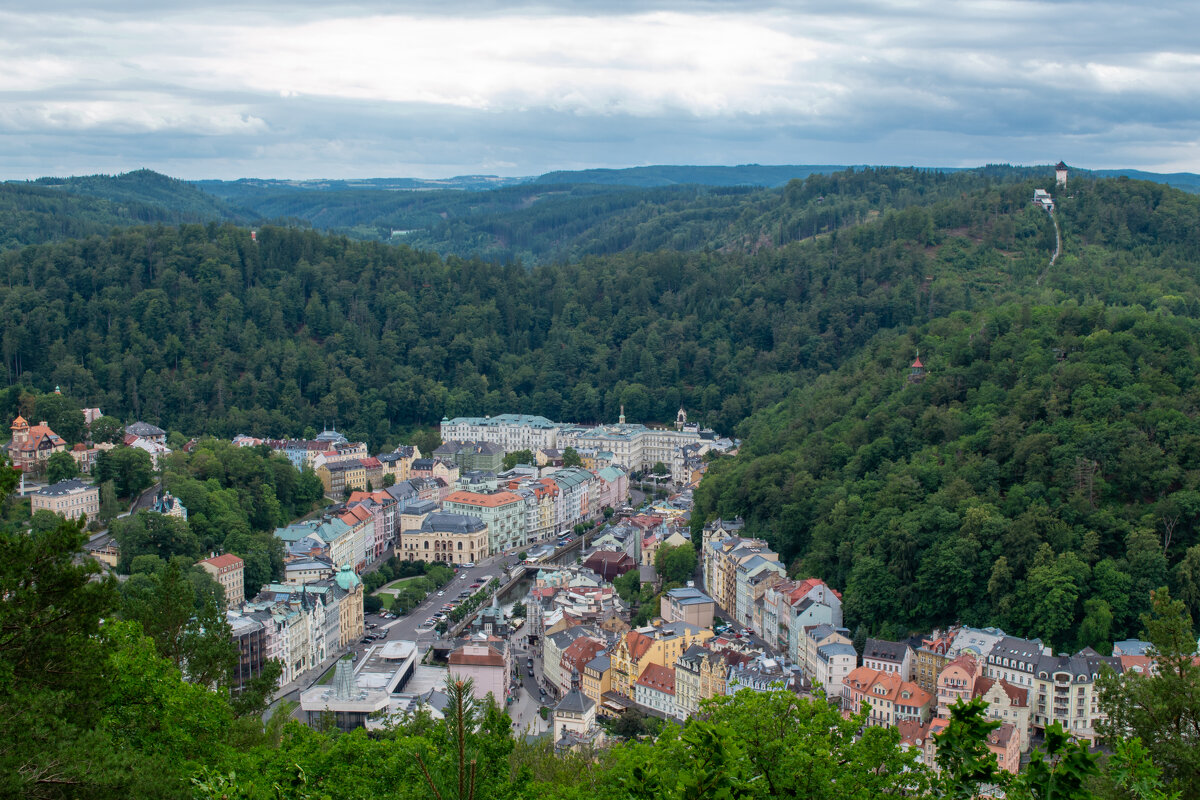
pixel 338 476
pixel 71 499
pixel 721 560
pixel 597 678
pixel 450 538
pixel 662 645
pixel 350 606
pixel 229 571
pixel 700 674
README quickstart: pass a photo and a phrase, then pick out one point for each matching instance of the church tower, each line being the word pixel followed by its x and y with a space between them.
pixel 680 419
pixel 1060 175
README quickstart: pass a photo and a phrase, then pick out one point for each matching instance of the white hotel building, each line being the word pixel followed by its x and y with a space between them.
pixel 634 446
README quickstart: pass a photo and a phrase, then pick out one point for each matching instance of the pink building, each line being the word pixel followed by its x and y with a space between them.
pixel 956 682
pixel 485 665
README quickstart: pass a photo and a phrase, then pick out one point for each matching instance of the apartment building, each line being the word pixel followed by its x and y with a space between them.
pixel 70 498
pixel 229 571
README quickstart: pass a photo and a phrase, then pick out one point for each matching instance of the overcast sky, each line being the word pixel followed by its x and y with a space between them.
pixel 304 89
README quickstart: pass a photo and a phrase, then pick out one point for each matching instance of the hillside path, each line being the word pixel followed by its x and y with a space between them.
pixel 1057 248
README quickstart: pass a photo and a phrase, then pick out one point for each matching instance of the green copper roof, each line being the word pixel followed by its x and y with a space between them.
pixel 346 578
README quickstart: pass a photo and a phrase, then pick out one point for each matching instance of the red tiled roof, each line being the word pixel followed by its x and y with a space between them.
pixel 489 659
pixel 658 677
pixel 1001 736
pixel 638 644
pixel 493 500
pixel 581 651
pixel 1018 696
pixel 911 731
pixel 223 560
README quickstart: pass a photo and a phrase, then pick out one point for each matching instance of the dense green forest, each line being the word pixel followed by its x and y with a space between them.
pixel 199 329
pixel 33 214
pixel 235 497
pixel 1042 477
pixel 769 175
pixel 541 223
pixel 145 187
pixel 560 216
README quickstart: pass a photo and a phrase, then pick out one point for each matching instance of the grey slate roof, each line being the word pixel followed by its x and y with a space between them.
pixel 63 487
pixel 575 702
pixel 1023 651
pixel 884 650
pixel 453 523
pixel 827 651
pixel 144 429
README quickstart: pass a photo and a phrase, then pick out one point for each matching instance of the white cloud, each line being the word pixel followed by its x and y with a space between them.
pixel 773 80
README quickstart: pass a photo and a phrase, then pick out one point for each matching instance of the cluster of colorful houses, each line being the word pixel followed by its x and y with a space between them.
pixel 459 507
pixel 911 684
pixel 790 636
pixel 31 446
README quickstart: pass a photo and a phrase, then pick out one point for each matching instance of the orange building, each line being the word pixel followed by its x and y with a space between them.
pixel 892 699
pixel 32 445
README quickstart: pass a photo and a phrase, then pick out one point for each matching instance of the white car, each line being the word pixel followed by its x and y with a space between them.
pixel 441 594
pixel 469 565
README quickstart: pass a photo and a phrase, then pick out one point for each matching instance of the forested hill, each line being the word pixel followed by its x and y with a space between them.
pixel 148 188
pixel 55 209
pixel 672 175
pixel 202 330
pixel 1044 476
pixel 543 223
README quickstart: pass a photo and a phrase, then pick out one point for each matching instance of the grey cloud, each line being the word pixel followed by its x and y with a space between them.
pixel 916 98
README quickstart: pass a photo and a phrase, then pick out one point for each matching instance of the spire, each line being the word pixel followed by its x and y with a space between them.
pixel 574 679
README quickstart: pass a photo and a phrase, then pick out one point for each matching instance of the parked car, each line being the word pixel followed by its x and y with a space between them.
pixel 440 594
pixel 476 585
pixel 469 565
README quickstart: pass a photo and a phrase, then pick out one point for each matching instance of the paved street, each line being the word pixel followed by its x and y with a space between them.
pixel 524 710
pixel 404 628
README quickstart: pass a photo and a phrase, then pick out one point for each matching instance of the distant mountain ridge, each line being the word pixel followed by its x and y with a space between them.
pixel 563 215
pixel 149 188
pixel 671 175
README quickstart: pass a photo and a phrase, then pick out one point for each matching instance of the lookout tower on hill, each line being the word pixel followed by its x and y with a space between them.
pixel 916 372
pixel 1060 174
